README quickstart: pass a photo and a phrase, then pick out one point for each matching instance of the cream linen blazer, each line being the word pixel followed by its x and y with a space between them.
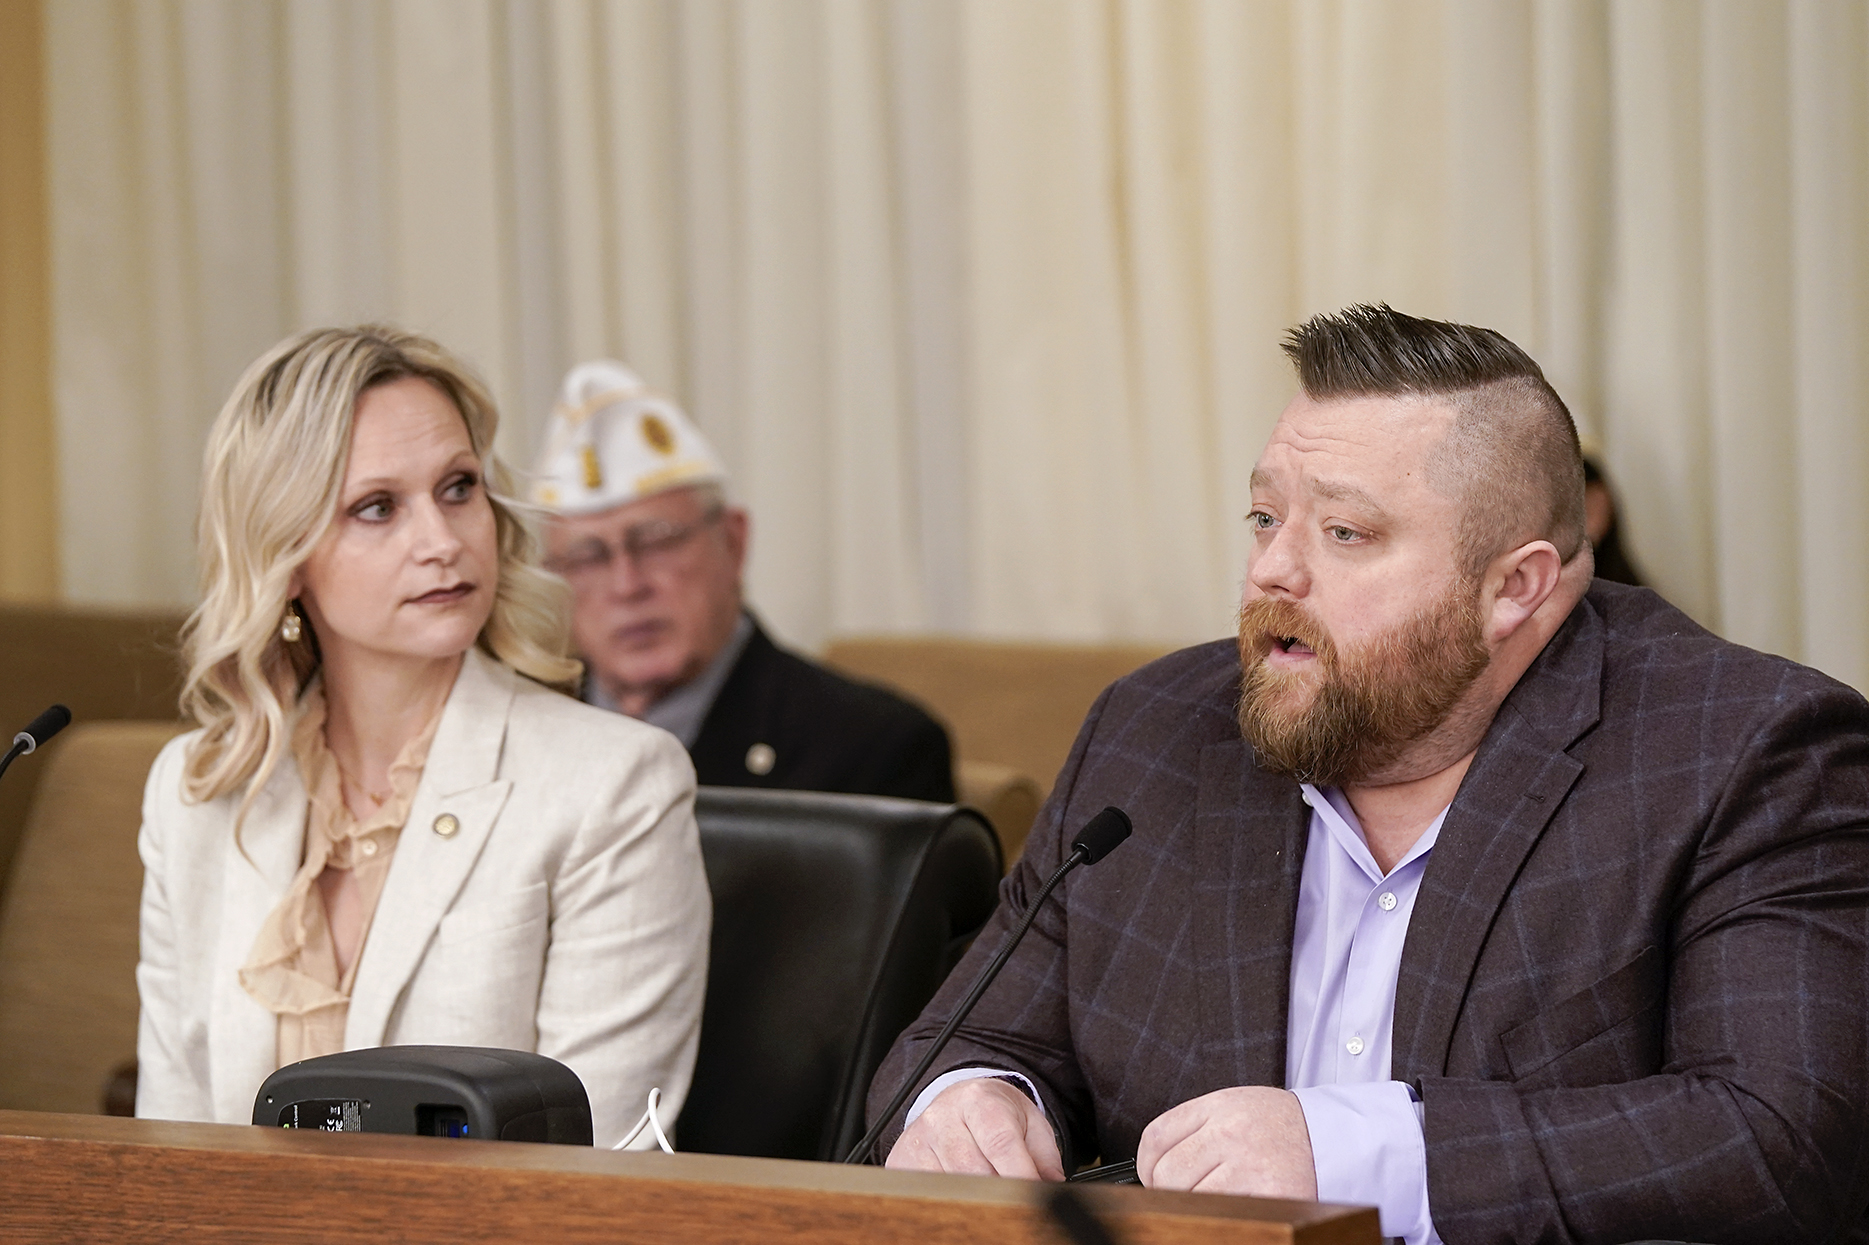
pixel 568 914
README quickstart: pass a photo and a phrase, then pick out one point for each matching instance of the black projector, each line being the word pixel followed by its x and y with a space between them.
pixel 430 1091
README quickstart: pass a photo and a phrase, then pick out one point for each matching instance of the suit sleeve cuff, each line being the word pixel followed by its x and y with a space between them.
pixel 1368 1149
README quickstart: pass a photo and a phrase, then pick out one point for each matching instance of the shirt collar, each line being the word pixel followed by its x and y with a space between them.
pixel 1332 807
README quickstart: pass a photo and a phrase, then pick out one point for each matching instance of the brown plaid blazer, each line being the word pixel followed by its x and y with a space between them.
pixel 1633 993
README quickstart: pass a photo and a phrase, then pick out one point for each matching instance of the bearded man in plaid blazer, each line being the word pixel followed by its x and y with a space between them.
pixel 1518 906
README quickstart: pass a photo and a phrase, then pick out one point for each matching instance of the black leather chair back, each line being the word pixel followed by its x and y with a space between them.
pixel 836 917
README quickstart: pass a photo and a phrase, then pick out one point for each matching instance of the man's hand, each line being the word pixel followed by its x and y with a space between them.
pixel 1250 1140
pixel 982 1127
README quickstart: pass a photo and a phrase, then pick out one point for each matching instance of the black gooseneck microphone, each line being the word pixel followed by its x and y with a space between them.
pixel 1102 835
pixel 40 729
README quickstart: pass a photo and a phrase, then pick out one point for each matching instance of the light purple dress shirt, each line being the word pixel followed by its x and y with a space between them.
pixel 1366 1138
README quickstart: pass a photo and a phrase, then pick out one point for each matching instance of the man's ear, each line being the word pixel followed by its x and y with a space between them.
pixel 736 526
pixel 1523 579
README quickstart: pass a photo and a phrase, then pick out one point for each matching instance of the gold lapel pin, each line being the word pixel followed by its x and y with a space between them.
pixel 446 825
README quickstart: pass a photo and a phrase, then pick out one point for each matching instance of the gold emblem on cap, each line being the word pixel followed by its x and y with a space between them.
pixel 760 759
pixel 593 470
pixel 446 825
pixel 657 434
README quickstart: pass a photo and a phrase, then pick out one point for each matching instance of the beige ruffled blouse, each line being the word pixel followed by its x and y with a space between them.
pixel 292 970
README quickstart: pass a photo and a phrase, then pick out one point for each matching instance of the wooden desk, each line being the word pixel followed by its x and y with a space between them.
pixel 66 1178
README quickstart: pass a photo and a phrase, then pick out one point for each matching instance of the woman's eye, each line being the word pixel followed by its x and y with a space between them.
pixel 374 510
pixel 460 488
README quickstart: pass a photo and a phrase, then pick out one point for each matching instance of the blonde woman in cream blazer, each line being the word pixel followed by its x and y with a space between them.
pixel 545 890
pixel 559 915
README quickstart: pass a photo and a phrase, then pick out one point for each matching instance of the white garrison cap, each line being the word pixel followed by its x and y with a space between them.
pixel 611 440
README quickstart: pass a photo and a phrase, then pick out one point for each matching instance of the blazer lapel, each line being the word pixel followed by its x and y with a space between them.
pixel 430 868
pixel 1518 778
pixel 1250 837
pixel 243 1037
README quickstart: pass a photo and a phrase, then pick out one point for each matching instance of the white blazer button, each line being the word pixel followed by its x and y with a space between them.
pixel 446 825
pixel 760 759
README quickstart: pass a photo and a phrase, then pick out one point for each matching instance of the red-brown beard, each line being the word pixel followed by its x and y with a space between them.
pixel 1356 712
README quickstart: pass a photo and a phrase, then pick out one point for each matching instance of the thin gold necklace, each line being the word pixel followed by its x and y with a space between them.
pixel 346 781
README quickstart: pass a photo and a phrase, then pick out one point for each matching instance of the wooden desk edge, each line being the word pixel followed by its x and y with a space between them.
pixel 22 1132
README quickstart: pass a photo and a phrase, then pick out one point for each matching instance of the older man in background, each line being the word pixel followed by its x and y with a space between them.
pixel 654 554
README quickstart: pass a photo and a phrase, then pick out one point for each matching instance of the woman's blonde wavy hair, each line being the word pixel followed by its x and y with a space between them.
pixel 270 486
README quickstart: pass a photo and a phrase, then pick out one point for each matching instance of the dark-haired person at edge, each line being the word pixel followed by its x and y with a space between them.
pixel 1513 904
pixel 642 530
pixel 1603 524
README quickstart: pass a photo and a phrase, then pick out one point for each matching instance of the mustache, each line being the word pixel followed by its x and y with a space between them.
pixel 1263 621
pixel 1370 704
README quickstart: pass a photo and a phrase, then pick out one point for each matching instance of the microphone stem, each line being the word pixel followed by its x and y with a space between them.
pixel 18 749
pixel 862 1150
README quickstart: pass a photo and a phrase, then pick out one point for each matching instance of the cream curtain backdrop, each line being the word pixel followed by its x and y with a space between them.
pixel 980 299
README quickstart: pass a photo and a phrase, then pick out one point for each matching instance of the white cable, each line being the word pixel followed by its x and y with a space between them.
pixel 649 1120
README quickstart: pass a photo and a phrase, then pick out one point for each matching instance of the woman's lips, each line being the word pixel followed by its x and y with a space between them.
pixel 444 596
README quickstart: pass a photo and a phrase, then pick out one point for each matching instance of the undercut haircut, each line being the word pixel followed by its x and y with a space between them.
pixel 1511 458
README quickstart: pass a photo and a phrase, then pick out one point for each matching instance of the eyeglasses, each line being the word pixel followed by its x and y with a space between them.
pixel 649 546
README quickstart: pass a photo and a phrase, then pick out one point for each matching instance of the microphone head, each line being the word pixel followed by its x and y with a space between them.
pixel 1103 835
pixel 47 724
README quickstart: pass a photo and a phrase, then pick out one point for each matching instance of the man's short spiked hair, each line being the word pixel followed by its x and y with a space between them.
pixel 1512 456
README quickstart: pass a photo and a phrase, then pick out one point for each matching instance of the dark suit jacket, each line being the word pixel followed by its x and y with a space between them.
pixel 1633 990
pixel 826 732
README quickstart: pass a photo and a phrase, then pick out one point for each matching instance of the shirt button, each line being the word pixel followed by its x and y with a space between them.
pixel 1386 901
pixel 1354 1046
pixel 369 847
